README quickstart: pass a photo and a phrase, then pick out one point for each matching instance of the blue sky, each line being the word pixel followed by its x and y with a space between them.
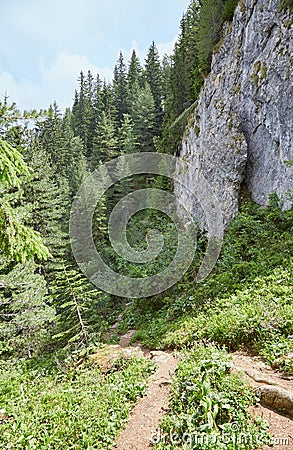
pixel 45 43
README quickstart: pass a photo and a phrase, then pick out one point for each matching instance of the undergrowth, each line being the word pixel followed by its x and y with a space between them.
pixel 209 407
pixel 78 407
pixel 245 303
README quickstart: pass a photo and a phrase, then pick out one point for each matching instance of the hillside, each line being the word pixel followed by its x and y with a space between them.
pixel 109 339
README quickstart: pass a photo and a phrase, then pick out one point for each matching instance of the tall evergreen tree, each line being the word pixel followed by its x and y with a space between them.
pixel 108 104
pixel 182 79
pixel 48 204
pixel 120 88
pixel 78 305
pixel 17 241
pixel 144 119
pixel 74 162
pixel 105 144
pixel 25 313
pixel 210 25
pixel 135 70
pixel 83 112
pixel 134 79
pixel 153 75
pixel 127 141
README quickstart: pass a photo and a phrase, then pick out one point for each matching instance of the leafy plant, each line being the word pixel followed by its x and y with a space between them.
pixel 209 406
pixel 76 407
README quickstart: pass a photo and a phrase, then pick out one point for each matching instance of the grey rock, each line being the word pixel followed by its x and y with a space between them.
pixel 241 129
pixel 276 397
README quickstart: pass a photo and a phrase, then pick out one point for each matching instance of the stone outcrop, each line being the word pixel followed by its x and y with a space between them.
pixel 240 133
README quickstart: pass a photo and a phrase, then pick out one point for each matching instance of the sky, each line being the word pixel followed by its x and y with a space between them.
pixel 44 44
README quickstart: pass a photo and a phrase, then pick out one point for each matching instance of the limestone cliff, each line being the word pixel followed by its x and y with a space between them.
pixel 241 128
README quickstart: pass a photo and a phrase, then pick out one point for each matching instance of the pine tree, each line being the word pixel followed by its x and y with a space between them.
pixel 134 78
pixel 108 105
pixel 26 316
pixel 24 312
pixel 210 25
pixel 127 141
pixel 183 80
pixel 120 89
pixel 49 137
pixel 74 162
pixel 135 70
pixel 184 63
pixel 153 75
pixel 17 241
pixel 78 305
pixel 105 144
pixel 83 112
pixel 48 204
pixel 144 119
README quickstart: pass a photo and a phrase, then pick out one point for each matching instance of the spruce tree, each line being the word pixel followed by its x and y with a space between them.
pixel 120 88
pixel 210 25
pixel 25 311
pixel 144 119
pixel 17 240
pixel 83 112
pixel 74 162
pixel 127 140
pixel 153 75
pixel 78 305
pixel 105 144
pixel 134 78
pixel 135 70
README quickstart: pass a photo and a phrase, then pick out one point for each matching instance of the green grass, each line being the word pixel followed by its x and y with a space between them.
pixel 209 407
pixel 247 318
pixel 245 303
pixel 80 408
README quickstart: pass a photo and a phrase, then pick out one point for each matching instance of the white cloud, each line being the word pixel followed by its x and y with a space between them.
pixel 25 94
pixel 58 82
pixel 167 48
pixel 66 69
pixel 164 48
pixel 61 76
pixel 99 35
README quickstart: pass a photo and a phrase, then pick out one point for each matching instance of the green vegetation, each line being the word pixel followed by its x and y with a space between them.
pixel 287 4
pixel 245 303
pixel 17 241
pixel 190 63
pixel 52 395
pixel 250 318
pixel 209 406
pixel 73 406
pixel 229 9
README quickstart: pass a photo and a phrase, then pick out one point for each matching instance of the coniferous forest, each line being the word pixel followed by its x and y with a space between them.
pixel 53 394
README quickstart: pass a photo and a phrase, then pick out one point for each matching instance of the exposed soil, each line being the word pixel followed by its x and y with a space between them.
pixel 145 417
pixel 147 414
pixel 280 425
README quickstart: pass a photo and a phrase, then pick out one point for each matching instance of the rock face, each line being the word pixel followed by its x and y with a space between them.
pixel 241 128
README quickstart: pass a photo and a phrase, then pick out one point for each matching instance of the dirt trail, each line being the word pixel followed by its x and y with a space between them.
pixel 257 374
pixel 147 414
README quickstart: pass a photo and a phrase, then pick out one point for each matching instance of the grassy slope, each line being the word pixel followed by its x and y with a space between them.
pixel 246 302
pixel 73 408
